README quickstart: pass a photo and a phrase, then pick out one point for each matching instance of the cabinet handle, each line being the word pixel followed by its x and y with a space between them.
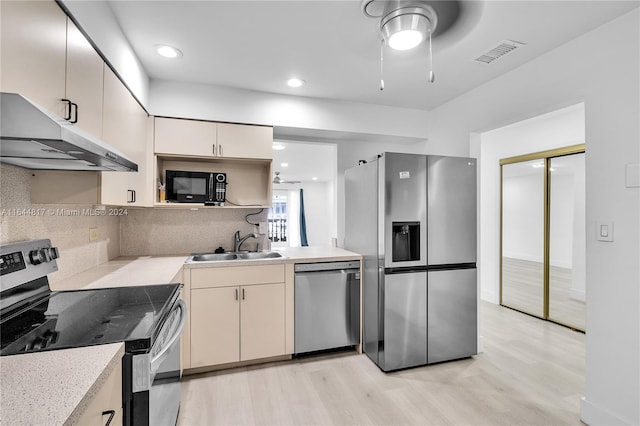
pixel 131 196
pixel 220 150
pixel 243 294
pixel 75 117
pixel 111 414
pixel 236 294
pixel 213 148
pixel 67 109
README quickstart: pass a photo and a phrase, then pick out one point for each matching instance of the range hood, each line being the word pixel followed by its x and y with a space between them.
pixel 33 138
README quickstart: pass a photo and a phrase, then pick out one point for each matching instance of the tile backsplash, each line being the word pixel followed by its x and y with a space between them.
pixel 165 231
pixel 67 226
pixel 140 232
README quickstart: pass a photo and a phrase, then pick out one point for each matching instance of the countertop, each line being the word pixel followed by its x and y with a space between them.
pixel 127 272
pixel 54 387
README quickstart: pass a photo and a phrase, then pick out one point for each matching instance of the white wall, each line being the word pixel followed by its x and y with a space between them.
pixel 601 69
pixel 207 102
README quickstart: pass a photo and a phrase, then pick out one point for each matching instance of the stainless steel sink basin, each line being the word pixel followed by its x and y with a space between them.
pixel 218 257
pixel 212 257
pixel 260 255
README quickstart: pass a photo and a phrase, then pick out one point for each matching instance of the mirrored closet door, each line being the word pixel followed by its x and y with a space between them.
pixel 543 235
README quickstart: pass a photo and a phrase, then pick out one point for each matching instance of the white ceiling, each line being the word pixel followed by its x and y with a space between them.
pixel 257 45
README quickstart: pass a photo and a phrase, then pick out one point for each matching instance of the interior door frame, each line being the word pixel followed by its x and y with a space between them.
pixel 546 156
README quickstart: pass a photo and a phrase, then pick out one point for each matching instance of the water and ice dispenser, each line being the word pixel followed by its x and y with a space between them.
pixel 405 241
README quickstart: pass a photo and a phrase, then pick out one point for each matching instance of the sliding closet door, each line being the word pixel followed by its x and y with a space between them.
pixel 523 198
pixel 567 240
pixel 543 235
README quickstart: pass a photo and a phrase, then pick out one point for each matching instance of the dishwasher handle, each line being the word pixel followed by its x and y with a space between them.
pixel 350 266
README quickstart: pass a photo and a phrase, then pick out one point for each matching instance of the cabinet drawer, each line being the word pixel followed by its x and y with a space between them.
pixel 237 275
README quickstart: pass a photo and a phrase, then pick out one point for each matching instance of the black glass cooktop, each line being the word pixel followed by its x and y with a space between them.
pixel 79 318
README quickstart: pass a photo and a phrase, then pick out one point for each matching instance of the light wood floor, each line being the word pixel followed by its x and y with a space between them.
pixel 522 289
pixel 530 373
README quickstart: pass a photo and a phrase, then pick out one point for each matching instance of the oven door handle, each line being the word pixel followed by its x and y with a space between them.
pixel 183 319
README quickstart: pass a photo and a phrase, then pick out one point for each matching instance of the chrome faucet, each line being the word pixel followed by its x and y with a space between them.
pixel 237 240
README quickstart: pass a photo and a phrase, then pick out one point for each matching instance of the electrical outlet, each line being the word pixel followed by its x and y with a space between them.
pixel 93 234
pixel 262 228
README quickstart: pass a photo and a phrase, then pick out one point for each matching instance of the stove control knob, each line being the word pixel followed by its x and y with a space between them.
pixel 54 253
pixel 35 257
pixel 44 255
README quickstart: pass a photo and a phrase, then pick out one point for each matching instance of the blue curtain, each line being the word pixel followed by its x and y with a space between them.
pixel 303 223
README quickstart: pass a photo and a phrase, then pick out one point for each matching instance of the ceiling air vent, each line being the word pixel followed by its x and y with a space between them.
pixel 505 46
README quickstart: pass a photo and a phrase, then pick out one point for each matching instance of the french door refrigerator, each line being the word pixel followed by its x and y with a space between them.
pixel 413 218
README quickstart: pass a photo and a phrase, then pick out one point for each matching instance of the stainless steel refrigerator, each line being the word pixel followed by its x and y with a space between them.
pixel 413 218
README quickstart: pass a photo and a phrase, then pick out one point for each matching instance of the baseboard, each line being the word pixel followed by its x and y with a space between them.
pixel 489 296
pixel 577 295
pixel 596 416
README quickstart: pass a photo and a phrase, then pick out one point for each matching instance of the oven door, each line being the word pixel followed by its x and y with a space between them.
pixel 155 396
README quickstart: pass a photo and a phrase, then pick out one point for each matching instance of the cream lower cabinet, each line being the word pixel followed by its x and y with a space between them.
pixel 233 323
pixel 106 406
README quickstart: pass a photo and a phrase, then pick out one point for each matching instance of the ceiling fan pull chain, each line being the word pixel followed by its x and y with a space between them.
pixel 382 64
pixel 432 76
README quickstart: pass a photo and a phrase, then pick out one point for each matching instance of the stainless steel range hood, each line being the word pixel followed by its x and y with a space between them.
pixel 31 137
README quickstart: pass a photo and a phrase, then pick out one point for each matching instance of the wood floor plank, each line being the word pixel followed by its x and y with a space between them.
pixel 530 373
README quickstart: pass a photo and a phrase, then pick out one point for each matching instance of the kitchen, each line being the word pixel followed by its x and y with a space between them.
pixel 557 77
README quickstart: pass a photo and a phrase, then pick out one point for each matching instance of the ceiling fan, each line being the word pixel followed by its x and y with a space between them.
pixel 277 179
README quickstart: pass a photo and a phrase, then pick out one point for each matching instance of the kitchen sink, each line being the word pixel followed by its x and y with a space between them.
pixel 218 257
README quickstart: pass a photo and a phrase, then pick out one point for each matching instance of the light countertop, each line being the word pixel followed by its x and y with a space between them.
pixel 317 254
pixel 54 387
pixel 127 272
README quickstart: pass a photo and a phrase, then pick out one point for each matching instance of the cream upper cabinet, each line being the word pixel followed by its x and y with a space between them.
pixel 245 141
pixel 185 137
pixel 124 126
pixel 47 59
pixel 84 82
pixel 175 136
pixel 33 47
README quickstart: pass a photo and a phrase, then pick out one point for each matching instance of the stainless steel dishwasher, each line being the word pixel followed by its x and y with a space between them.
pixel 327 305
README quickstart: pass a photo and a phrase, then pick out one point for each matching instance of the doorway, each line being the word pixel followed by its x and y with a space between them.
pixel 542 223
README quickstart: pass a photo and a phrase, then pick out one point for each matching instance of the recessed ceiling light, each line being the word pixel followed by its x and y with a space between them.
pixel 314 178
pixel 295 82
pixel 284 164
pixel 278 146
pixel 168 51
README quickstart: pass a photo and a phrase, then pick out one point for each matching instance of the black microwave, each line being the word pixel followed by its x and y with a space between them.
pixel 196 187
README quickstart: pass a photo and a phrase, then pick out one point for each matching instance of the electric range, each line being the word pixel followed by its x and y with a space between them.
pixel 147 319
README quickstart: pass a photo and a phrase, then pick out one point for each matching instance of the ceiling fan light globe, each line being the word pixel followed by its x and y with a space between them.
pixel 406 28
pixel 405 40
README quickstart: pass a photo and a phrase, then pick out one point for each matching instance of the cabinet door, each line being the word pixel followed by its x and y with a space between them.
pixel 32 45
pixel 244 141
pixel 185 137
pixel 84 81
pixel 107 400
pixel 262 321
pixel 124 126
pixel 215 333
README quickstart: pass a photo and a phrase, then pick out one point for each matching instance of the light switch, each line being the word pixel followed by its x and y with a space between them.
pixel 604 231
